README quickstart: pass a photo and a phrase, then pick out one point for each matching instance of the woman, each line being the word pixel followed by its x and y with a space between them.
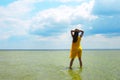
pixel 76 49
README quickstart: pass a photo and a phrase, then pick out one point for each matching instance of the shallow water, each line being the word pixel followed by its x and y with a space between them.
pixel 53 65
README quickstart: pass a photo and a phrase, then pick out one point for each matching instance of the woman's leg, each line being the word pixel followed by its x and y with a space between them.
pixel 71 62
pixel 79 57
pixel 80 61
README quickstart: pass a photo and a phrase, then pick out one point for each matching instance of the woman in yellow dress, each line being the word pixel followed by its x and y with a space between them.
pixel 76 49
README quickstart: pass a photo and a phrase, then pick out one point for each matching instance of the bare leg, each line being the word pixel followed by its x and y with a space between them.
pixel 71 62
pixel 80 62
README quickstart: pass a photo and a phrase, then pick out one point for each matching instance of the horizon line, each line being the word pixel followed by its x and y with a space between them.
pixel 49 49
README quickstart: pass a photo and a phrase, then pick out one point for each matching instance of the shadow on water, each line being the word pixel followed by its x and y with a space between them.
pixel 75 74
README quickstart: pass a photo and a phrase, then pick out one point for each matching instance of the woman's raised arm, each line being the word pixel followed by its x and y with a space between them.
pixel 82 32
pixel 72 32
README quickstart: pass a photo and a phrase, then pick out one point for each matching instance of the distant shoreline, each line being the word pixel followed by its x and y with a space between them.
pixel 48 49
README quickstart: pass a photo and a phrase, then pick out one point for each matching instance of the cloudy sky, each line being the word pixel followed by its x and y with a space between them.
pixel 46 24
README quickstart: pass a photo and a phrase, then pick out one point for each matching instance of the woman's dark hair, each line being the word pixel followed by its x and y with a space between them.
pixel 75 37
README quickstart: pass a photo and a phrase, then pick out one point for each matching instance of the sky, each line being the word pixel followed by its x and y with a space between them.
pixel 46 24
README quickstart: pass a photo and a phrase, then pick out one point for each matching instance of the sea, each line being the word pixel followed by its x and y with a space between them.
pixel 103 64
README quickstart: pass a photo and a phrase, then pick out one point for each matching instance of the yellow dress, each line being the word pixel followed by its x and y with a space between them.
pixel 76 49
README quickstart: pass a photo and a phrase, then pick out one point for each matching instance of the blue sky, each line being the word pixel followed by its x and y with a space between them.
pixel 46 24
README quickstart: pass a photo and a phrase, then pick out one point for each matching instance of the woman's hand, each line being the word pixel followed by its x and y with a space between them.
pixel 78 30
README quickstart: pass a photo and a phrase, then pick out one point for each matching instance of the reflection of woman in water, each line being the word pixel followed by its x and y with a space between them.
pixel 76 49
pixel 75 75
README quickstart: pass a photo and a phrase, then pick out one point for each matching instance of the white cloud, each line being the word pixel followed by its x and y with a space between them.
pixel 84 11
pixel 15 9
pixel 64 15
pixel 18 9
pixel 13 27
pixel 99 41
pixel 15 19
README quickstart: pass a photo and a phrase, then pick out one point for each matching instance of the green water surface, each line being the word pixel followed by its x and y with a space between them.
pixel 53 65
